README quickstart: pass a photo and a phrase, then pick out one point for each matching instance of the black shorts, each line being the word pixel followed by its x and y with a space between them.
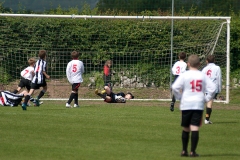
pixel 191 117
pixel 75 86
pixel 37 86
pixel 25 83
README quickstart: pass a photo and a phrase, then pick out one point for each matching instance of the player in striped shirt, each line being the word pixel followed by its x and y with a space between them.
pixel 190 88
pixel 74 71
pixel 39 79
pixel 214 73
pixel 178 68
pixel 8 98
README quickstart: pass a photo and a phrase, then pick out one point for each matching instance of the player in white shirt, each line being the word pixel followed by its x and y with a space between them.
pixel 214 73
pixel 178 68
pixel 190 88
pixel 39 79
pixel 26 76
pixel 74 71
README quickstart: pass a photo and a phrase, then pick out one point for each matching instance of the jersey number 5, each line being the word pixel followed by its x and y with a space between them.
pixel 196 85
pixel 74 68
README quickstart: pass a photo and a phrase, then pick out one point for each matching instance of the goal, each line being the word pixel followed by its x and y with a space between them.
pixel 139 46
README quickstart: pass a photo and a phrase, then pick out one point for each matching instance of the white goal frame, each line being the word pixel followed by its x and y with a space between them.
pixel 149 18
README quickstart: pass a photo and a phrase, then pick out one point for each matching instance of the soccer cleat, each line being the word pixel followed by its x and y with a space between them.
pixel 194 154
pixel 37 102
pixel 68 105
pixel 103 91
pixel 96 91
pixel 24 107
pixel 76 106
pixel 172 106
pixel 207 122
pixel 184 154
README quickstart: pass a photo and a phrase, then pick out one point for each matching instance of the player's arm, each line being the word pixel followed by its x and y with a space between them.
pixel 219 75
pixel 68 72
pixel 177 87
pixel 210 89
pixel 46 75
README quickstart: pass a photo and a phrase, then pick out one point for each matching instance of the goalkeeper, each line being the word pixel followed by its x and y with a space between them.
pixel 111 97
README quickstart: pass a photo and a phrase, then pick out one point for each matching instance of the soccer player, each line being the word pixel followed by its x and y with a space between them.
pixel 39 79
pixel 178 68
pixel 111 97
pixel 26 77
pixel 11 99
pixel 214 73
pixel 74 71
pixel 107 74
pixel 190 88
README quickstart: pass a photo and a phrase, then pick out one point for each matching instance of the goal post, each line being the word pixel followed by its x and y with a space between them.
pixel 139 47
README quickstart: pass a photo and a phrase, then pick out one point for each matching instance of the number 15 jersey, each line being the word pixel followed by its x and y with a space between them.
pixel 190 88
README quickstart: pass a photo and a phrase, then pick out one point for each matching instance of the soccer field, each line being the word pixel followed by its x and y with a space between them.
pixel 132 131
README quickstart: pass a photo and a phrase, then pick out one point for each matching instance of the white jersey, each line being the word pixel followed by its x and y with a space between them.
pixel 74 71
pixel 214 73
pixel 27 73
pixel 190 88
pixel 39 68
pixel 179 67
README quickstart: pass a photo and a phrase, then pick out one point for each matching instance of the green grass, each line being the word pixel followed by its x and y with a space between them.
pixel 100 131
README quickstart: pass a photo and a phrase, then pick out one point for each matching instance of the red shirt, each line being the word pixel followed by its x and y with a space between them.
pixel 106 70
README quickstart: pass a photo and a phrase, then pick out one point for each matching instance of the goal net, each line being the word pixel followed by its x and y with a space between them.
pixel 139 47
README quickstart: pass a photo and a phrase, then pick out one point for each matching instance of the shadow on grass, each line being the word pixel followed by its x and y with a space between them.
pixel 225 122
pixel 220 155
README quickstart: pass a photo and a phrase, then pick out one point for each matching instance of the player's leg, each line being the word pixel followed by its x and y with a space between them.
pixel 102 95
pixel 196 121
pixel 173 97
pixel 185 123
pixel 172 103
pixel 76 95
pixel 26 99
pixel 208 112
pixel 72 95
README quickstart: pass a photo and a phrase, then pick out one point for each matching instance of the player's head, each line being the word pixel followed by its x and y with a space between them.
pixel 182 55
pixel 194 61
pixel 42 54
pixel 74 55
pixel 31 61
pixel 129 96
pixel 210 58
pixel 108 63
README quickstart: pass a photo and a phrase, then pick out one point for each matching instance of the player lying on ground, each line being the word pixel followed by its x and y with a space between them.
pixel 11 99
pixel 111 97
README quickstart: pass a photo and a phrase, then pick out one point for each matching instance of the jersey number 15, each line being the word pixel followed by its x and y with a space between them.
pixel 196 85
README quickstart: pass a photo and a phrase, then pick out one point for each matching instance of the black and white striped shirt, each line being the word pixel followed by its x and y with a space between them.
pixel 39 68
pixel 10 99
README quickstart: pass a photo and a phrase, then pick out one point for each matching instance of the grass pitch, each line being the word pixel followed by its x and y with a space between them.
pixel 101 131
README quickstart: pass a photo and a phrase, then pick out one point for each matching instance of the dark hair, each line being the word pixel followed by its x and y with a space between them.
pixel 42 54
pixel 75 54
pixel 131 95
pixel 182 55
pixel 210 58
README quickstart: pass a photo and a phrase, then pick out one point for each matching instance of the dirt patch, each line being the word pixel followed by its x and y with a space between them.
pixel 59 89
